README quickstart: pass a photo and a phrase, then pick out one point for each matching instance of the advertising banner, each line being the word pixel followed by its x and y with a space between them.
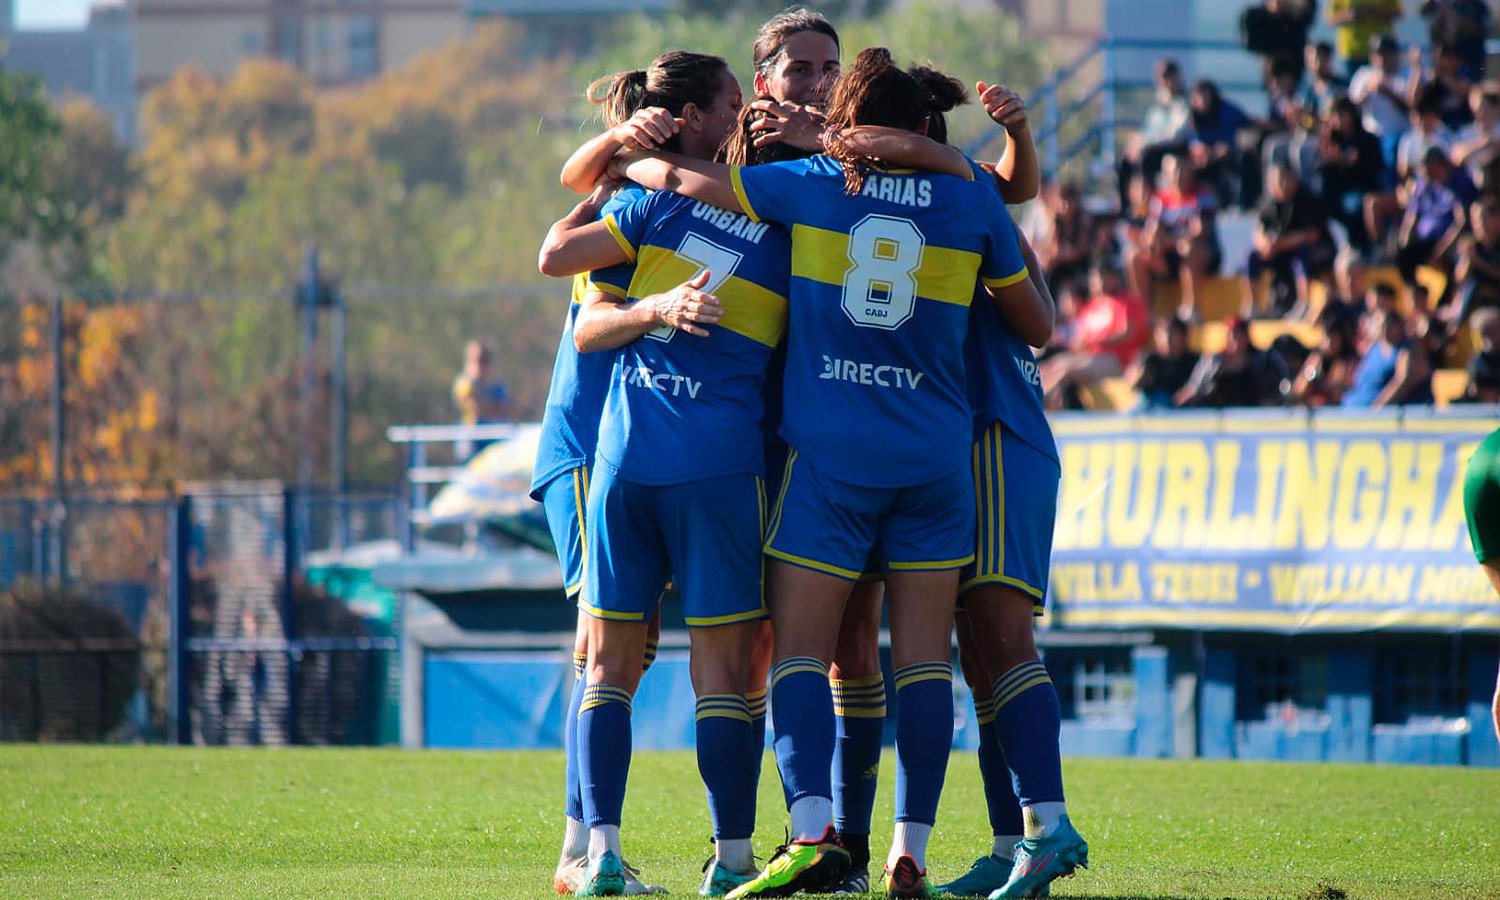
pixel 1280 522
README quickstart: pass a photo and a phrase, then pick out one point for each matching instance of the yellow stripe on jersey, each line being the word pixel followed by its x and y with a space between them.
pixel 749 309
pixel 1008 280
pixel 739 192
pixel 945 275
pixel 614 231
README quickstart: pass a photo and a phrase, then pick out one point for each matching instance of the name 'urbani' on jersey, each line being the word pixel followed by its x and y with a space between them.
pixel 906 191
pixel 665 382
pixel 1029 370
pixel 869 373
pixel 738 225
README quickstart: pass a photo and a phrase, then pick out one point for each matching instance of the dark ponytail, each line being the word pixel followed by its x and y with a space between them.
pixel 672 81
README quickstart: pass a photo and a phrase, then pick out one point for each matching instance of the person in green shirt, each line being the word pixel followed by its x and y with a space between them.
pixel 1482 505
pixel 1355 22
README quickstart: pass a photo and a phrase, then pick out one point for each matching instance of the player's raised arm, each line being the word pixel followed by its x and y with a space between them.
pixel 577 243
pixel 700 179
pixel 1017 172
pixel 646 129
pixel 900 147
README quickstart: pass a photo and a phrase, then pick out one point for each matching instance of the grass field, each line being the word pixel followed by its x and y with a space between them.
pixel 151 822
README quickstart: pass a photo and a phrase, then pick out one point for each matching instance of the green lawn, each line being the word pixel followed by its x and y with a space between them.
pixel 147 822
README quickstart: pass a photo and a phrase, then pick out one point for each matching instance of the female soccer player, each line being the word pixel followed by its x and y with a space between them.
pixel 877 419
pixel 1482 505
pixel 679 486
pixel 634 103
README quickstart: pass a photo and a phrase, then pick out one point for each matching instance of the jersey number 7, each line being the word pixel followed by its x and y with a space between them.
pixel 705 254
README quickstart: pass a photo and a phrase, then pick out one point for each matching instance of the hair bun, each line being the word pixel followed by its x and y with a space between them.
pixel 943 92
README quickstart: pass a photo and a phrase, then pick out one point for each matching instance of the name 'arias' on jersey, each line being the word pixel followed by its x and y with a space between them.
pixel 682 407
pixel 875 392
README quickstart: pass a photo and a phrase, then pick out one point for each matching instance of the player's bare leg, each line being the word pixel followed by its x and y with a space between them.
pixel 573 860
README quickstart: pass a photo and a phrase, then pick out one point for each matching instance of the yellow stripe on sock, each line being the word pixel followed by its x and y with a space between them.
pixel 798 664
pixel 1019 673
pixel 1019 688
pixel 923 672
pixel 756 700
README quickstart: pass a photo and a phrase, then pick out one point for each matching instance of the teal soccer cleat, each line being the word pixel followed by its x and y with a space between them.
pixel 719 880
pixel 1041 861
pixel 987 875
pixel 605 878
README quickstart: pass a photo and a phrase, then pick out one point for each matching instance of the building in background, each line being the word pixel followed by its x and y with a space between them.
pixel 96 62
pixel 334 42
pixel 563 26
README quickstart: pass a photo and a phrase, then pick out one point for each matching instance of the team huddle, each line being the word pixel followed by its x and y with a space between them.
pixel 795 382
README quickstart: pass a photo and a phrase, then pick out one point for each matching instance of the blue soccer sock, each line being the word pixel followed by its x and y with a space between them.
pixel 999 792
pixel 649 657
pixel 724 742
pixel 756 700
pixel 859 708
pixel 603 753
pixel 803 707
pixel 924 738
pixel 1028 722
pixel 574 808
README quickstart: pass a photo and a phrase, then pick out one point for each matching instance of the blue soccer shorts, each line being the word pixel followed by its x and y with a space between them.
pixel 1015 487
pixel 704 535
pixel 563 501
pixel 830 526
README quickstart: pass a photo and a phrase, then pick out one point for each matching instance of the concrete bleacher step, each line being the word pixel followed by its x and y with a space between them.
pixel 1448 385
pixel 1210 337
pixel 1108 394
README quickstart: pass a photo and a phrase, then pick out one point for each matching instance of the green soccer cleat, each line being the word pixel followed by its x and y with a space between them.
pixel 987 875
pixel 719 879
pixel 1041 861
pixel 906 881
pixel 812 865
pixel 605 877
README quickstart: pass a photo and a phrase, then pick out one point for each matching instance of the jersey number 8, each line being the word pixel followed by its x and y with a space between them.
pixel 880 288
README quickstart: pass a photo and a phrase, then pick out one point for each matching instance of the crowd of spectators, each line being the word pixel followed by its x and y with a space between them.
pixel 1369 185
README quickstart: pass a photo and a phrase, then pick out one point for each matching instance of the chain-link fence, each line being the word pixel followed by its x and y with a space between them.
pixel 235 614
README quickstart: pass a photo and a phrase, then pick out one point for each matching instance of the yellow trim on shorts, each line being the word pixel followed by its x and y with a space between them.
pixel 804 562
pixel 1035 593
pixel 786 479
pixel 710 621
pixel 936 565
pixel 610 615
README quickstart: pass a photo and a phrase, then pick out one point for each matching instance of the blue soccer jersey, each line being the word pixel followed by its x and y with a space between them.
pixel 881 284
pixel 682 407
pixel 570 424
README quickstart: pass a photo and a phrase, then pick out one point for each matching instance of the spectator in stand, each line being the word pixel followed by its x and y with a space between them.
pixel 1164 129
pixel 1478 142
pixel 1276 31
pixel 1239 376
pixel 1484 366
pixel 1214 144
pixel 1448 82
pixel 1358 22
pixel 479 396
pixel 1380 299
pixel 1328 372
pixel 1110 328
pixel 1284 126
pixel 1463 25
pixel 1435 217
pixel 1350 167
pixel 1427 131
pixel 1291 241
pixel 1478 271
pixel 1163 370
pixel 1381 92
pixel 1345 297
pixel 1069 235
pixel 1179 239
pixel 1324 83
pixel 1393 371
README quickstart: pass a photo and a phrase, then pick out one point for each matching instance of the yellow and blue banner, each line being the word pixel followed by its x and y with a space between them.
pixel 1268 522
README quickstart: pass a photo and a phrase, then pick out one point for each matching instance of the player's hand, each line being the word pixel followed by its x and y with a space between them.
pixel 687 308
pixel 647 129
pixel 787 123
pixel 1004 105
